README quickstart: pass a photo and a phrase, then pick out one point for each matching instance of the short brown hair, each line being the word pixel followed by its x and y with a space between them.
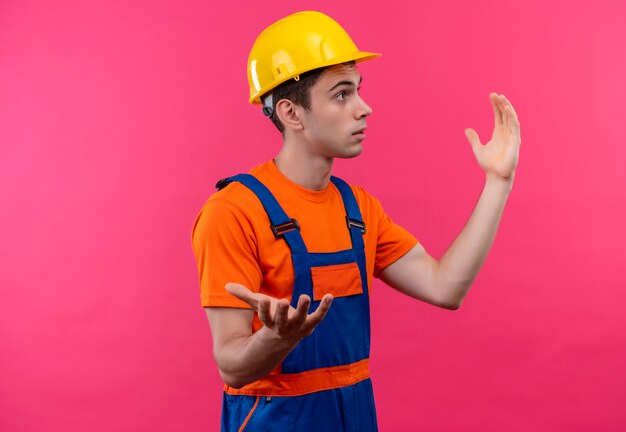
pixel 297 92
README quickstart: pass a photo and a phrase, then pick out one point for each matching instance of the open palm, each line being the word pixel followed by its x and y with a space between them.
pixel 499 156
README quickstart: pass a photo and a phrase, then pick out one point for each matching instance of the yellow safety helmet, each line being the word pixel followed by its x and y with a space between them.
pixel 296 44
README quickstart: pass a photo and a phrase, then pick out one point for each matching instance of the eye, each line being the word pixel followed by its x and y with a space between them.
pixel 341 95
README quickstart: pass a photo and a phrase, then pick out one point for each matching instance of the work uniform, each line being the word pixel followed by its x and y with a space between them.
pixel 275 237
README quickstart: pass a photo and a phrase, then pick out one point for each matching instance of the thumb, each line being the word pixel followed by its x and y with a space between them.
pixel 472 137
pixel 239 291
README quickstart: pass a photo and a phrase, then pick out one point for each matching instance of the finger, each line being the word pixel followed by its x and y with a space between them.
pixel 316 317
pixel 510 119
pixel 301 313
pixel 264 312
pixel 510 105
pixel 243 293
pixel 497 110
pixel 282 309
pixel 507 117
pixel 512 122
pixel 472 137
pixel 515 128
pixel 503 108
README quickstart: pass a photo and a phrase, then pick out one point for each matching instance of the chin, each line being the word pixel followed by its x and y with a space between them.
pixel 349 154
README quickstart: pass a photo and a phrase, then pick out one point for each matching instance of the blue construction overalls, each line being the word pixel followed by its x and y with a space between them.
pixel 336 351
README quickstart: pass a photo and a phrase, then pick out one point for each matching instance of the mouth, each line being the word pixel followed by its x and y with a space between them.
pixel 360 131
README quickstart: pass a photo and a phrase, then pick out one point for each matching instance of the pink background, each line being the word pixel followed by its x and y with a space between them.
pixel 117 117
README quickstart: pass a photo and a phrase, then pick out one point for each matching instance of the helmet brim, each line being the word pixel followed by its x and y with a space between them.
pixel 356 57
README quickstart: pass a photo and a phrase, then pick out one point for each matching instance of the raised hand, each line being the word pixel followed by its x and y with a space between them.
pixel 499 156
pixel 278 315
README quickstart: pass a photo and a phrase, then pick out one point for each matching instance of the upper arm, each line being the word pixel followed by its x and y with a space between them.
pixel 415 274
pixel 224 245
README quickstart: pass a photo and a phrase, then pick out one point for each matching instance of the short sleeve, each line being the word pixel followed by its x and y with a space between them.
pixel 393 240
pixel 225 249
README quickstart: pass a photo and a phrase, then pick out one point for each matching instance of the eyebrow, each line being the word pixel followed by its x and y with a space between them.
pixel 345 82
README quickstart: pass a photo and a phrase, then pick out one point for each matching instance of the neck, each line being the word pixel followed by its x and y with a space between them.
pixel 304 169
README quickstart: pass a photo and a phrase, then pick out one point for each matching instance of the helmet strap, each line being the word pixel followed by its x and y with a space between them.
pixel 268 105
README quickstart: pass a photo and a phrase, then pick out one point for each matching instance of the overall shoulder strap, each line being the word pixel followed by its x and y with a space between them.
pixel 353 213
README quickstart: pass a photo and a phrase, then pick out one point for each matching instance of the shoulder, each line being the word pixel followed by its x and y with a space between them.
pixel 367 202
pixel 233 207
pixel 361 193
pixel 235 197
pixel 370 208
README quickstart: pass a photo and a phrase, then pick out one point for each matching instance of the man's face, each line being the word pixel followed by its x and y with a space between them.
pixel 335 124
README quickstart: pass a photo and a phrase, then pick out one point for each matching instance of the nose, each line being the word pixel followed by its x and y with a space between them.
pixel 363 110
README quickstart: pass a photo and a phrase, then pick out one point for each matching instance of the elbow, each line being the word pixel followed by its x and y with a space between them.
pixel 451 296
pixel 232 380
pixel 230 375
pixel 234 384
pixel 235 377
pixel 450 302
pixel 451 305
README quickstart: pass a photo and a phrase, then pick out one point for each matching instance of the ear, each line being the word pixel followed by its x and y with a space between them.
pixel 289 114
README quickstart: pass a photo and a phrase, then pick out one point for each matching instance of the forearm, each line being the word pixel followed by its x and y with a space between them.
pixel 246 359
pixel 243 356
pixel 460 265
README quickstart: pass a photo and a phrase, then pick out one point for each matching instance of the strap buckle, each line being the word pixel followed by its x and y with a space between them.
pixel 355 223
pixel 280 230
pixel 223 183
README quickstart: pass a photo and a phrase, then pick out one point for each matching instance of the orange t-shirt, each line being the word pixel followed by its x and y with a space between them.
pixel 233 242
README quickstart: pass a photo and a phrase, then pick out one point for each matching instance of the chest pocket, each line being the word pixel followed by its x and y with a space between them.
pixel 340 280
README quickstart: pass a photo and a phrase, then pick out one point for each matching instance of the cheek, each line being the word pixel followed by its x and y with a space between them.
pixel 323 124
pixel 328 120
pixel 332 119
pixel 331 129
